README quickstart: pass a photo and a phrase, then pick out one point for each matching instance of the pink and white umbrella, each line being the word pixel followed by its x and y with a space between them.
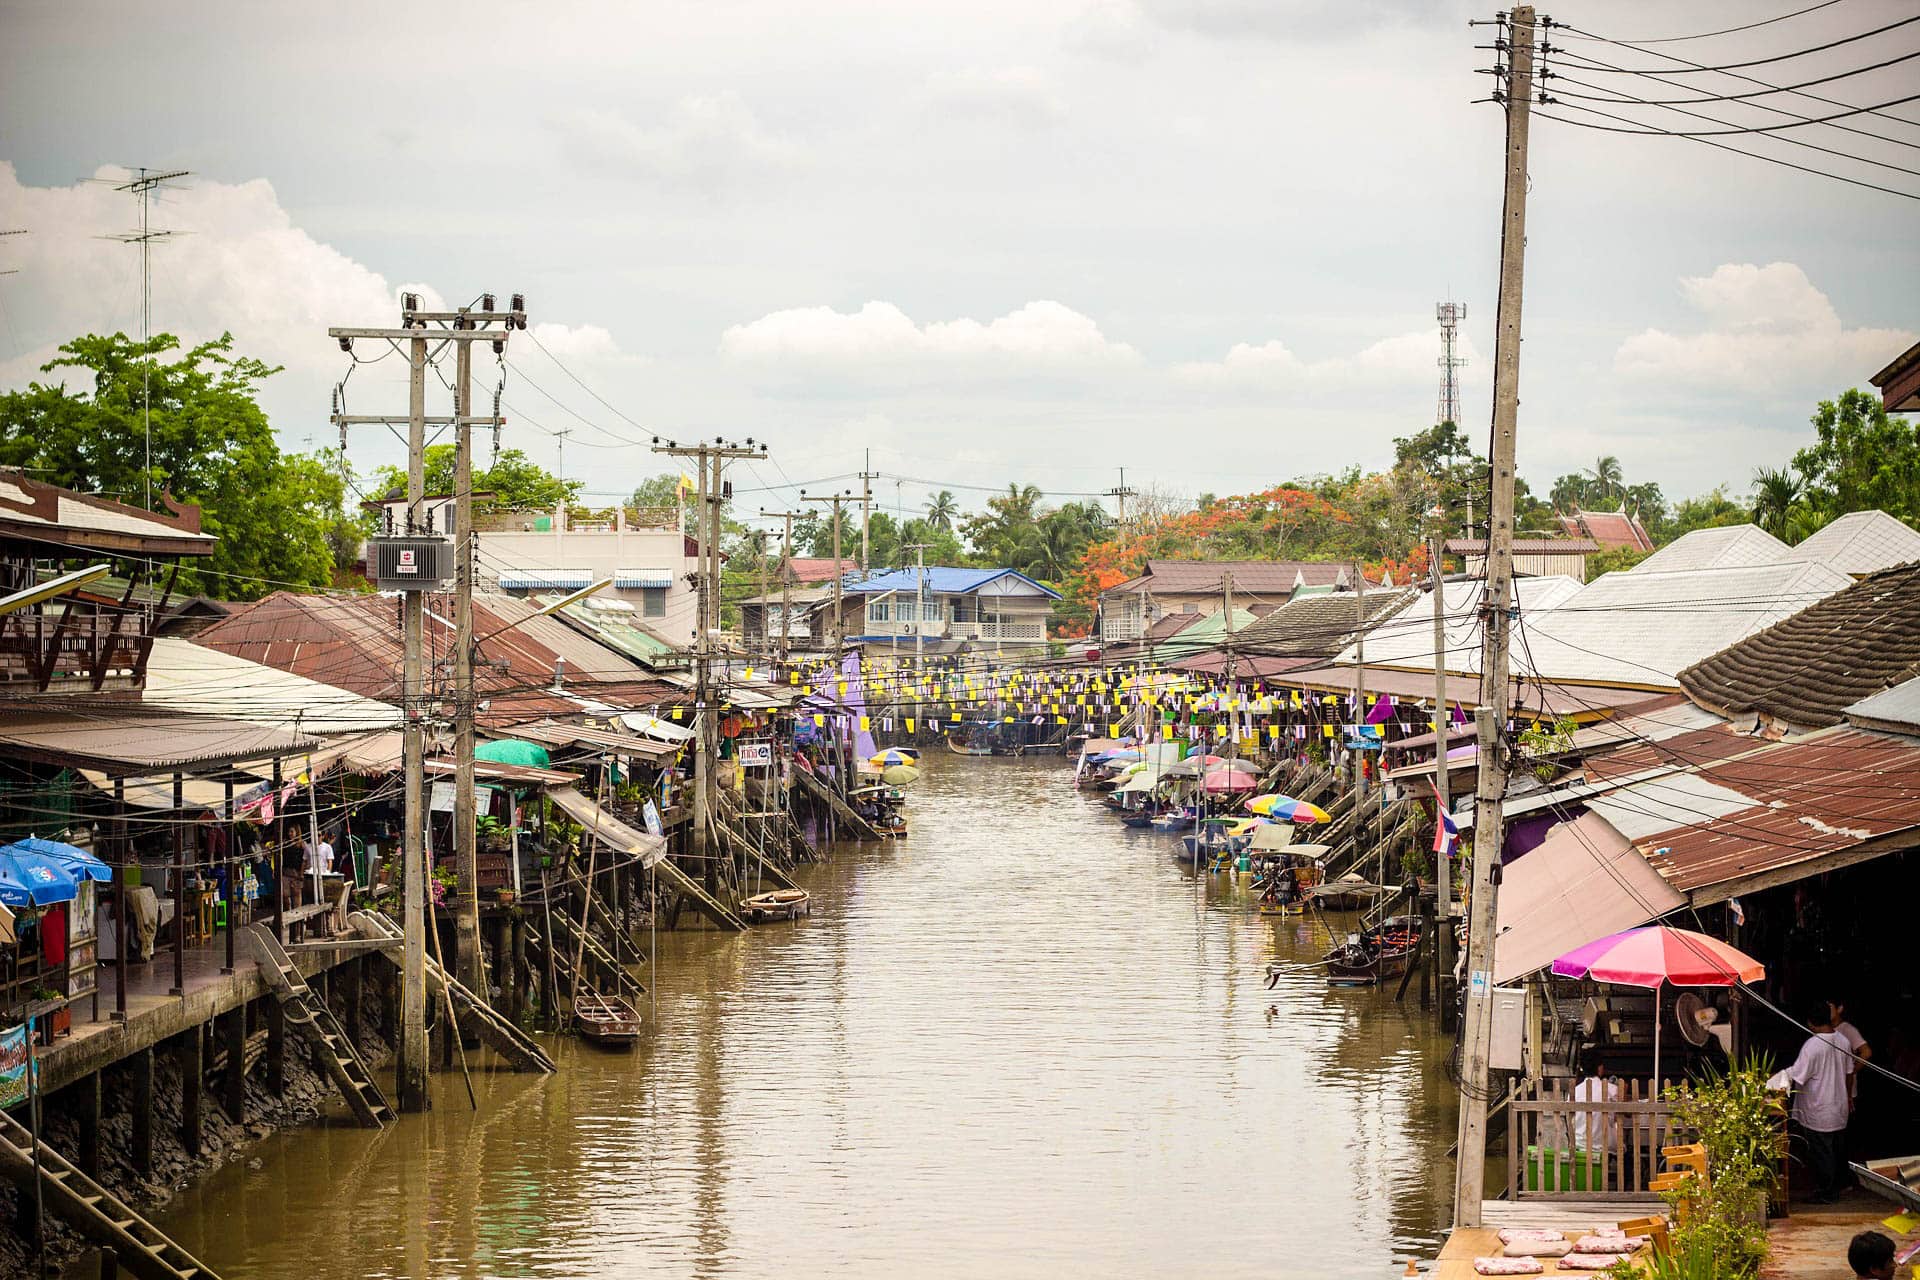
pixel 1656 955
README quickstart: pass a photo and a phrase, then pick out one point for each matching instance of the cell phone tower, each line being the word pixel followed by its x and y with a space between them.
pixel 1450 314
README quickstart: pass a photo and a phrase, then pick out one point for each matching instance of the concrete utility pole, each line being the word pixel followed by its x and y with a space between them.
pixel 765 652
pixel 1442 730
pixel 1496 600
pixel 1360 680
pixel 786 576
pixel 467 965
pixel 919 601
pixel 837 500
pixel 418 330
pixel 867 476
pixel 1120 493
pixel 709 461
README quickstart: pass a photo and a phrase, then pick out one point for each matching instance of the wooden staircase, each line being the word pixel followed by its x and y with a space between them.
pixel 477 1017
pixel 690 889
pixel 625 984
pixel 93 1211
pixel 842 811
pixel 308 1014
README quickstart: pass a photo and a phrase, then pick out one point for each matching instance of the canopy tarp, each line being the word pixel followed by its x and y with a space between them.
pixel 1584 882
pixel 513 751
pixel 609 830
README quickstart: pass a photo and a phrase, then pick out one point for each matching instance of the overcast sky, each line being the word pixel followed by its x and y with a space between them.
pixel 1044 239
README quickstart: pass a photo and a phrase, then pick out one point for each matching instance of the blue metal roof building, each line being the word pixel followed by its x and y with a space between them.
pixel 946 581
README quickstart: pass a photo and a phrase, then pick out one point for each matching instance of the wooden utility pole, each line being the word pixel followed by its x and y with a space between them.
pixel 1359 683
pixel 1495 603
pixel 1443 738
pixel 709 460
pixel 786 577
pixel 417 332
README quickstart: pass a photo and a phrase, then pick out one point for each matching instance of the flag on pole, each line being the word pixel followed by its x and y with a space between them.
pixel 1446 836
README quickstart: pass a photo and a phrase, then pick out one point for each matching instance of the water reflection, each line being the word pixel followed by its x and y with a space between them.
pixel 1022 1042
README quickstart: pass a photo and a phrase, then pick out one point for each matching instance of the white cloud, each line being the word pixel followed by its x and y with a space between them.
pixel 1767 328
pixel 708 142
pixel 584 343
pixel 1400 359
pixel 1022 95
pixel 1041 332
pixel 1114 29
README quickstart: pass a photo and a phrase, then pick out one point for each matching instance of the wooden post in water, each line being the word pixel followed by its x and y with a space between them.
pixel 141 1102
pixel 87 1113
pixel 234 1025
pixel 193 1069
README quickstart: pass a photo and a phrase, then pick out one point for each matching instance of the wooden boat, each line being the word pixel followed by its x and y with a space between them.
pixel 1374 954
pixel 967 749
pixel 778 904
pixel 1349 893
pixel 605 1020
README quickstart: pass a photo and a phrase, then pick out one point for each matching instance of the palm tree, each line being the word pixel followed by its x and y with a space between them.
pixel 1607 476
pixel 1776 491
pixel 942 509
pixel 1569 492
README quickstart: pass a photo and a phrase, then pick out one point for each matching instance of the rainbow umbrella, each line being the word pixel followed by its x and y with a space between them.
pixel 1287 809
pixel 1656 955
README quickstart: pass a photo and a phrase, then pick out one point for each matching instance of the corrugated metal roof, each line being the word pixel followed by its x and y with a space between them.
pixel 1896 709
pixel 1527 546
pixel 1732 545
pixel 1320 626
pixel 1254 577
pixel 1406 639
pixel 190 678
pixel 942 579
pixel 1862 542
pixel 144 743
pixel 1644 629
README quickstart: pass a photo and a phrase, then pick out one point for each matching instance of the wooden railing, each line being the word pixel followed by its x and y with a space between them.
pixel 1620 1155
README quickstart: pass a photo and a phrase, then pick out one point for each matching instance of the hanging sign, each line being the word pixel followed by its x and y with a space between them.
pixel 13 1066
pixel 756 755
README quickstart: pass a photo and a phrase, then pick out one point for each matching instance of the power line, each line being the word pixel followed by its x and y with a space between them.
pixel 1758 62
pixel 1704 35
pixel 1791 88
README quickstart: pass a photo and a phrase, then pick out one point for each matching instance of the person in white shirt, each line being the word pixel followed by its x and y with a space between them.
pixel 1595 1133
pixel 1821 1078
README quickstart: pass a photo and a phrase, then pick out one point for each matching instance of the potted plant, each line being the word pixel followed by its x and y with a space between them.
pixel 1738 1122
pixel 54 1022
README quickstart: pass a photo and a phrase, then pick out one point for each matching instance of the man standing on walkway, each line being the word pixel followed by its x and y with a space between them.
pixel 1820 1077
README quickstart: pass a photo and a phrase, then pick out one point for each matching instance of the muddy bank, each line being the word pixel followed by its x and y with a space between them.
pixel 306 1092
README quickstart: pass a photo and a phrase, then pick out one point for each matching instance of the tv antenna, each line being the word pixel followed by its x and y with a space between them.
pixel 142 185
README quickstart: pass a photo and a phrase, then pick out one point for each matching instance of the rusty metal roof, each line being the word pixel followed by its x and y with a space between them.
pixel 354 643
pixel 1717 811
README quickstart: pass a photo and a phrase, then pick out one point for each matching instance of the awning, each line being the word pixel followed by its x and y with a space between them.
pixel 630 579
pixel 137 743
pixel 554 734
pixel 1584 882
pixel 609 830
pixel 157 793
pixel 653 726
pixel 545 579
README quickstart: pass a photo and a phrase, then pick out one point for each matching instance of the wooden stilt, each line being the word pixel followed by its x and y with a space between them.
pixel 234 1025
pixel 142 1104
pixel 276 1048
pixel 192 1051
pixel 87 1111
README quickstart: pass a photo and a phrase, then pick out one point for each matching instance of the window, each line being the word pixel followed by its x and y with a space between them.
pixel 877 612
pixel 653 602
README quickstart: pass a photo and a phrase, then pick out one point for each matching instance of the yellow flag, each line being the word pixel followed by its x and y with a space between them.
pixel 909 724
pixel 819 721
pixel 863 724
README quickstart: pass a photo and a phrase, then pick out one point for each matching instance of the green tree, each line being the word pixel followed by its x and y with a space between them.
pixel 1712 510
pixel 1606 478
pixel 1776 492
pixel 278 516
pixel 943 509
pixel 515 481
pixel 1005 533
pixel 1569 492
pixel 1862 458
pixel 663 491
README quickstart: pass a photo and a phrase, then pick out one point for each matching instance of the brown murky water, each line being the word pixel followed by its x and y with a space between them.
pixel 1020 1043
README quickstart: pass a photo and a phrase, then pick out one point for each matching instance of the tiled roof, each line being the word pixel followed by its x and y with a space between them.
pixel 1610 529
pixel 1321 626
pixel 819 568
pixel 1171 625
pixel 1806 670
pixel 1717 549
pixel 1862 542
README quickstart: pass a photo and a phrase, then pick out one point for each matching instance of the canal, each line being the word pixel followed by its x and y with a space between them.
pixel 1020 1043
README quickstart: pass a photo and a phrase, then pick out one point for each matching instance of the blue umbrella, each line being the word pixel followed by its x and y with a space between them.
pixel 77 862
pixel 33 880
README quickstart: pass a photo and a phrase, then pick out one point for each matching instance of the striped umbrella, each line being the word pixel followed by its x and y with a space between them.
pixel 1286 807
